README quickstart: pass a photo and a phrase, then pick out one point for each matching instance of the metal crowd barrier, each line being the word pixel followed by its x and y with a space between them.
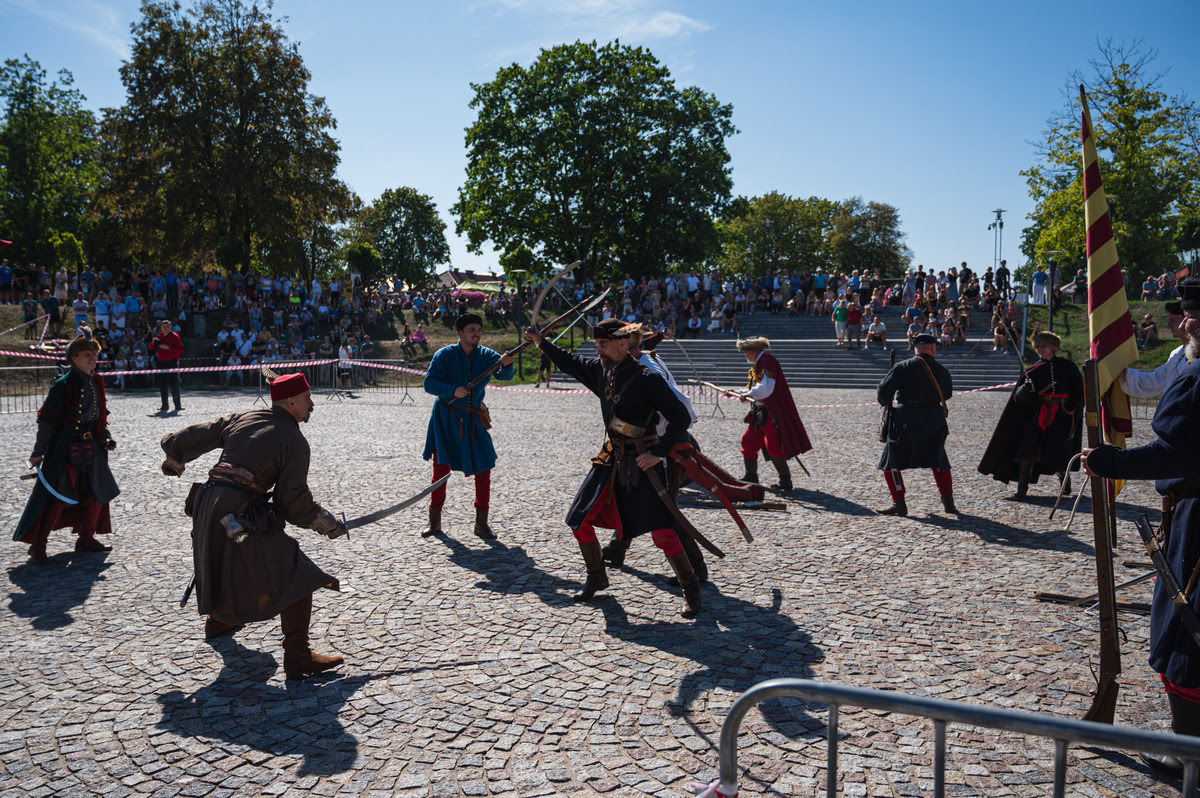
pixel 1143 409
pixel 22 388
pixel 1062 730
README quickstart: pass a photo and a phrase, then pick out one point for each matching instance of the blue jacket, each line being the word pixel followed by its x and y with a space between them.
pixel 455 433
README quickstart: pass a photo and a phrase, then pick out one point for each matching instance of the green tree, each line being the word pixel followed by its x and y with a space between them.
pixel 1148 143
pixel 594 152
pixel 777 233
pixel 867 236
pixel 365 259
pixel 48 165
pixel 68 252
pixel 410 236
pixel 219 136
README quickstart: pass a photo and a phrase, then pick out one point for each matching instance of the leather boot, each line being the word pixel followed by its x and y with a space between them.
pixel 751 474
pixel 1064 482
pixel 695 556
pixel 37 549
pixel 482 529
pixel 299 660
pixel 435 523
pixel 1185 719
pixel 614 552
pixel 1024 472
pixel 689 583
pixel 785 474
pixel 214 628
pixel 899 507
pixel 88 542
pixel 597 577
pixel 948 503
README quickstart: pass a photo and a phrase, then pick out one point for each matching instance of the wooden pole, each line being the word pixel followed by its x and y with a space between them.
pixel 1105 700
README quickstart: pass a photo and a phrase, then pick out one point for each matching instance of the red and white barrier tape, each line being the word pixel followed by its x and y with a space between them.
pixel 211 369
pixel 26 324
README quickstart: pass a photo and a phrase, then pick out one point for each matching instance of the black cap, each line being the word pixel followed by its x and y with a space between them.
pixel 924 338
pixel 1189 293
pixel 465 319
pixel 610 329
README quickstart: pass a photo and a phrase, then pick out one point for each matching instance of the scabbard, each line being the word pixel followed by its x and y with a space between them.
pixel 1182 605
pixel 682 524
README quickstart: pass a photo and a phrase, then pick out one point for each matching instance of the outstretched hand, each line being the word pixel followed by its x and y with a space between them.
pixel 533 337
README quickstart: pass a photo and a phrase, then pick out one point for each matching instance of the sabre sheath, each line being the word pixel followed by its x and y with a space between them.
pixel 1182 605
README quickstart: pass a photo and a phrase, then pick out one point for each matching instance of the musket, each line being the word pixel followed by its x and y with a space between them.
pixel 1178 598
pixel 580 309
pixel 730 392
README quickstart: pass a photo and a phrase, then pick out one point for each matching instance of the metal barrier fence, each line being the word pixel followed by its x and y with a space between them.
pixel 22 388
pixel 942 713
pixel 1143 409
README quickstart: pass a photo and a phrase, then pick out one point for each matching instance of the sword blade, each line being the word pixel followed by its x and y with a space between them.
pixel 46 484
pixel 379 515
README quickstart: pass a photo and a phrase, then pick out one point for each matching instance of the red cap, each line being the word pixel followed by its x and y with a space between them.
pixel 287 386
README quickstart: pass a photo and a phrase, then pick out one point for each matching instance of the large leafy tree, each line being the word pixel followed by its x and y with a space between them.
pixel 48 165
pixel 777 233
pixel 1149 147
pixel 594 152
pixel 867 236
pixel 404 227
pixel 219 136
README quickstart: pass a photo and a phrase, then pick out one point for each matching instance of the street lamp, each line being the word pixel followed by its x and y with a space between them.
pixel 1050 255
pixel 998 244
pixel 518 275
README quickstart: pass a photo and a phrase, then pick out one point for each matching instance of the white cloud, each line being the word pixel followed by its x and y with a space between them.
pixel 626 19
pixel 88 18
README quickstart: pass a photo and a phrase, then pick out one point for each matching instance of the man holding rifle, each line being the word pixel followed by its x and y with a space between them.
pixel 1172 462
pixel 458 438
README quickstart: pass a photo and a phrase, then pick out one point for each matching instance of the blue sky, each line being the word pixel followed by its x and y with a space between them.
pixel 928 106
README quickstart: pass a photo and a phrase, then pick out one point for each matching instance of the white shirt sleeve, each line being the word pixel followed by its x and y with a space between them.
pixel 1144 384
pixel 762 390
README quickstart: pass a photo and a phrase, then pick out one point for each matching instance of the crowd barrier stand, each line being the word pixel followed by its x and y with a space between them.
pixel 942 712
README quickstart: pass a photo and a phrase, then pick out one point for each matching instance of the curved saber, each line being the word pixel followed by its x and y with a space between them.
pixel 379 515
pixel 46 484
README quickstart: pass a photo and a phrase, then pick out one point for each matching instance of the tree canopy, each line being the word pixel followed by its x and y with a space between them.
pixel 219 136
pixel 404 228
pixel 1148 143
pixel 593 152
pixel 48 165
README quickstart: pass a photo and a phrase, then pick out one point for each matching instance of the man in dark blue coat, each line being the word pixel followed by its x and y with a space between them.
pixel 917 430
pixel 458 438
pixel 1172 462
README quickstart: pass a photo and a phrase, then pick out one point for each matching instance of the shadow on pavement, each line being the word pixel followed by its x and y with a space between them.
pixel 511 571
pixel 814 499
pixel 52 590
pixel 737 644
pixel 241 708
pixel 1002 534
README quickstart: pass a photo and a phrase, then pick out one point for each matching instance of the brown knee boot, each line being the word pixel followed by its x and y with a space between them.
pixel 435 522
pixel 482 529
pixel 597 577
pixel 689 583
pixel 214 628
pixel 298 659
pixel 37 547
pixel 751 474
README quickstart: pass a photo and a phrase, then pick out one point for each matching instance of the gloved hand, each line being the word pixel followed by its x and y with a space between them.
pixel 172 468
pixel 329 526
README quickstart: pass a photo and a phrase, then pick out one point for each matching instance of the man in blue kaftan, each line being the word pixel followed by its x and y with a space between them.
pixel 458 438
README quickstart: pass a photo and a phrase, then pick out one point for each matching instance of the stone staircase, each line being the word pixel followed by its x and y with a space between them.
pixel 808 351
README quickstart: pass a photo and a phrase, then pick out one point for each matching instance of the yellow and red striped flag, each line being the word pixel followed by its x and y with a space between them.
pixel 1110 327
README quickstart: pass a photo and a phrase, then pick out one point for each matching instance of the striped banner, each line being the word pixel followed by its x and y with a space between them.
pixel 1110 326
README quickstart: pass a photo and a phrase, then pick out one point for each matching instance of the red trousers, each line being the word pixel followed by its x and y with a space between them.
pixel 604 513
pixel 895 482
pixel 755 437
pixel 87 516
pixel 483 487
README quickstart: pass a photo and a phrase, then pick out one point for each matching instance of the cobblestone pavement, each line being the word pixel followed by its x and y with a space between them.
pixel 470 672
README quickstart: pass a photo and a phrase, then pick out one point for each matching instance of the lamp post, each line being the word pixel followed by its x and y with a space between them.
pixel 518 275
pixel 998 245
pixel 1050 255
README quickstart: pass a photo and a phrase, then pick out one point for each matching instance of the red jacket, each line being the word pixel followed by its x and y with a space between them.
pixel 171 348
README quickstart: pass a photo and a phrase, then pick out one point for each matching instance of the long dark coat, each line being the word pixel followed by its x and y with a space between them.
pixel 1025 430
pixel 256 579
pixel 637 394
pixel 1171 461
pixel 793 438
pixel 58 423
pixel 917 432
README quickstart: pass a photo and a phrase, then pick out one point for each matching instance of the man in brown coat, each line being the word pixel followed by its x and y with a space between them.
pixel 246 568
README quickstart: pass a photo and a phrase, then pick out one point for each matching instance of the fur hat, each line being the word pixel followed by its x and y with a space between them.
pixel 1189 293
pixel 84 342
pixel 467 318
pixel 1047 338
pixel 758 344
pixel 613 329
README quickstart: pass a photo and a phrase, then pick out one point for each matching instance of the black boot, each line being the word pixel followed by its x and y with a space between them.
pixel 751 474
pixel 689 583
pixel 1064 483
pixel 899 507
pixel 482 529
pixel 948 503
pixel 614 552
pixel 435 522
pixel 695 556
pixel 1185 719
pixel 785 474
pixel 1024 471
pixel 597 577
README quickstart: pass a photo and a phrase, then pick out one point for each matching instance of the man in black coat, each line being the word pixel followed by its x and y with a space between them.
pixel 1171 461
pixel 618 492
pixel 1041 427
pixel 917 429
